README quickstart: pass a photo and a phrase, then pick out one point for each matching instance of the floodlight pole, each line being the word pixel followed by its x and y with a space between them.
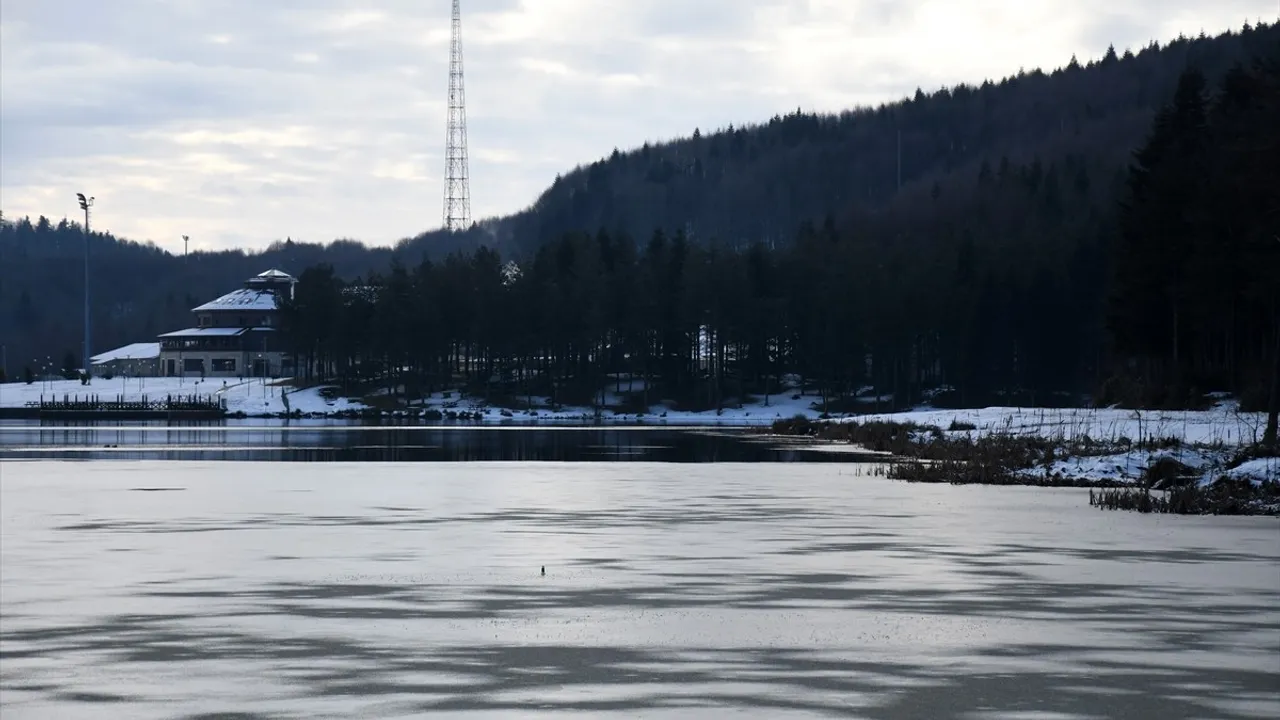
pixel 85 204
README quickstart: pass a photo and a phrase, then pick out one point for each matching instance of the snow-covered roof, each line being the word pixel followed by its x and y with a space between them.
pixel 242 299
pixel 274 274
pixel 136 351
pixel 205 332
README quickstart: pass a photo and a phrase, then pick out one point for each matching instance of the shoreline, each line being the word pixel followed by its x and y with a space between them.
pixel 463 418
pixel 1100 448
pixel 1156 473
pixel 279 400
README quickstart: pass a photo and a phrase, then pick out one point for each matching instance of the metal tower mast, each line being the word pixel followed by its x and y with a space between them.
pixel 457 188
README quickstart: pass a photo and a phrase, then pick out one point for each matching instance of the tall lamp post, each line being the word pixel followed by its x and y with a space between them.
pixel 85 204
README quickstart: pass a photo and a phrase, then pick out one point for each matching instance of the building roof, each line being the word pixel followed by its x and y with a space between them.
pixel 206 332
pixel 274 274
pixel 242 299
pixel 136 351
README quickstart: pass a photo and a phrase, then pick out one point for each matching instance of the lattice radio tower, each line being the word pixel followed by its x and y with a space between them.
pixel 457 188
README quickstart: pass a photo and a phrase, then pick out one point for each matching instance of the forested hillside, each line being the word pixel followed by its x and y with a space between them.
pixel 992 267
pixel 758 183
pixel 1029 285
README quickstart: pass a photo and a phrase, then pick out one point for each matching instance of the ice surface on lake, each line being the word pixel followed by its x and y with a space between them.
pixel 160 590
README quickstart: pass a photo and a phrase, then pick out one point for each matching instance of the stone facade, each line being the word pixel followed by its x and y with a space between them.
pixel 236 335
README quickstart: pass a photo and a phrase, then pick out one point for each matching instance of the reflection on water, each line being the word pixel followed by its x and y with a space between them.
pixel 353 442
pixel 378 591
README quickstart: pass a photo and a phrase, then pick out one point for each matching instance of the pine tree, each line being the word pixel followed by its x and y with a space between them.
pixel 69 365
pixel 1161 219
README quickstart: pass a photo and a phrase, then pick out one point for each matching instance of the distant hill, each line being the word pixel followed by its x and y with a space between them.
pixel 758 183
pixel 1067 135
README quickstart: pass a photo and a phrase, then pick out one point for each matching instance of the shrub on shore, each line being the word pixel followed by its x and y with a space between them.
pixel 896 438
pixel 1224 497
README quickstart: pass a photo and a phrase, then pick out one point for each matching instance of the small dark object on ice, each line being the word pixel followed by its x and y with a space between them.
pixel 544 569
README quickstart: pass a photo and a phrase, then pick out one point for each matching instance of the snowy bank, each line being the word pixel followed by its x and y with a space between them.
pixel 1059 446
pixel 1132 465
pixel 254 397
pixel 1220 426
pixel 1114 446
pixel 1257 471
pixel 258 398
pixel 618 393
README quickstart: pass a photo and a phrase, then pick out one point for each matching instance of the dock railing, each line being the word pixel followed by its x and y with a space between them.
pixel 204 404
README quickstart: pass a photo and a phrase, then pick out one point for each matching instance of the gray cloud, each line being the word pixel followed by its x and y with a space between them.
pixel 242 122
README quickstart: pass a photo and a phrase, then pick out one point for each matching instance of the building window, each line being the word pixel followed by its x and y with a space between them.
pixel 193 365
pixel 224 365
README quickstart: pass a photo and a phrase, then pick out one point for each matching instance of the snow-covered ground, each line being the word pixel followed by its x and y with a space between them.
pixel 1209 427
pixel 1222 426
pixel 1129 466
pixel 1257 471
pixel 780 407
pixel 256 398
pixel 251 397
pixel 1207 440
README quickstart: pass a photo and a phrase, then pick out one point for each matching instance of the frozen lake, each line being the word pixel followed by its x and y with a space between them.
pixel 275 590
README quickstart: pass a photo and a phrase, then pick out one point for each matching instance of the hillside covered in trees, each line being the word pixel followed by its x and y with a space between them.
pixel 758 183
pixel 1175 292
pixel 1031 284
pixel 1019 251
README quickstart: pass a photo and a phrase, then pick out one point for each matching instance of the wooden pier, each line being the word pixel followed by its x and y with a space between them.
pixel 96 407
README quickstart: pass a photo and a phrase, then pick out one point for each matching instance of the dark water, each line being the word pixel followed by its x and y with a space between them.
pixel 353 442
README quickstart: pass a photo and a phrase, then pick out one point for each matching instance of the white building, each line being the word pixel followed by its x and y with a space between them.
pixel 136 360
pixel 236 335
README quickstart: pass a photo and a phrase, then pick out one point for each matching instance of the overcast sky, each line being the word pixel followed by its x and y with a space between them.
pixel 240 122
